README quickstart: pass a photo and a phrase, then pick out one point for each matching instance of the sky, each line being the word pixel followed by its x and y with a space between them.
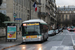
pixel 65 2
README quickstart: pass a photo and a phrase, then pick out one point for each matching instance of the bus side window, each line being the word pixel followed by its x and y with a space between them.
pixel 41 28
pixel 45 28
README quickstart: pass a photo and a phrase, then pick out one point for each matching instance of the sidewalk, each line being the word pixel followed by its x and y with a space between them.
pixel 4 44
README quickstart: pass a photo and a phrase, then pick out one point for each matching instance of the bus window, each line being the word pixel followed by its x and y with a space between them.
pixel 44 28
pixel 31 30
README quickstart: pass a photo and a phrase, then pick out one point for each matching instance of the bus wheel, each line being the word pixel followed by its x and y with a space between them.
pixel 46 39
pixel 42 40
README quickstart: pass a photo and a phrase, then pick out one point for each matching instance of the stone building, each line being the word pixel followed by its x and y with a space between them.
pixel 19 7
pixel 46 10
pixel 66 15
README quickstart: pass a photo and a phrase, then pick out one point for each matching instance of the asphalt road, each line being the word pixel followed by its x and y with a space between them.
pixel 61 41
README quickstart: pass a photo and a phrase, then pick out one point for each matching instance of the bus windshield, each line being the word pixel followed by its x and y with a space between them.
pixel 30 30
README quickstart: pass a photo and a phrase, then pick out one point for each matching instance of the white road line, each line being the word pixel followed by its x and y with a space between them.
pixel 54 48
pixel 63 47
pixel 72 40
pixel 62 41
pixel 43 48
pixel 68 48
pixel 18 48
pixel 31 48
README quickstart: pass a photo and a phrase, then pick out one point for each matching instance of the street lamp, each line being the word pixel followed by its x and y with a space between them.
pixel 14 16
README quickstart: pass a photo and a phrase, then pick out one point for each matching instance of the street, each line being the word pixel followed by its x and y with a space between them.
pixel 62 41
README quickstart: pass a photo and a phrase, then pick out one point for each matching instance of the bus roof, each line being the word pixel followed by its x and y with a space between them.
pixel 35 20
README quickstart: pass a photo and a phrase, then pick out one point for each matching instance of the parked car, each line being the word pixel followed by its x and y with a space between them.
pixel 68 28
pixel 64 27
pixel 51 32
pixel 71 28
pixel 57 31
pixel 60 29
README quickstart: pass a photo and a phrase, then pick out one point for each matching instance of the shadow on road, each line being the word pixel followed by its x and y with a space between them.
pixel 32 42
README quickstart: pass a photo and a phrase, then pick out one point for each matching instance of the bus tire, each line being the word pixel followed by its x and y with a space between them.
pixel 46 38
pixel 42 40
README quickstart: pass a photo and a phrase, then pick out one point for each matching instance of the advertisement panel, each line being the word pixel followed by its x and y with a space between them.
pixel 11 32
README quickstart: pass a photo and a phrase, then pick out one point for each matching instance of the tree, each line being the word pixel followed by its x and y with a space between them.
pixel 0 2
pixel 2 19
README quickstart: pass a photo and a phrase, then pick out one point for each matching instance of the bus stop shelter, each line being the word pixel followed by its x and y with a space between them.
pixel 11 30
pixel 10 22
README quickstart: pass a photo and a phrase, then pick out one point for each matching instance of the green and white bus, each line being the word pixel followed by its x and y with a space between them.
pixel 34 30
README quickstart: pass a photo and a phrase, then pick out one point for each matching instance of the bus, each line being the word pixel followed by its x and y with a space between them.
pixel 34 30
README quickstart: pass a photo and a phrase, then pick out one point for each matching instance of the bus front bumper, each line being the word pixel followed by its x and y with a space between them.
pixel 31 39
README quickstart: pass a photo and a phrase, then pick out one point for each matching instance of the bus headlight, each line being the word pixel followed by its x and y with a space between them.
pixel 24 38
pixel 39 37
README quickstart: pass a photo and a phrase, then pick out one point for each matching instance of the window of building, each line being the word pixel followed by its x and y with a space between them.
pixel 69 11
pixel 62 11
pixel 59 11
pixel 3 5
pixel 16 8
pixel 19 15
pixel 19 8
pixel 64 17
pixel 68 17
pixel 66 11
pixel 74 11
pixel 4 0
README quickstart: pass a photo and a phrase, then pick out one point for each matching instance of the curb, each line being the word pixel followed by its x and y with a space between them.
pixel 9 47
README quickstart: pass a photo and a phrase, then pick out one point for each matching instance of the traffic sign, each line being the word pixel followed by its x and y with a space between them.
pixel 18 19
pixel 15 14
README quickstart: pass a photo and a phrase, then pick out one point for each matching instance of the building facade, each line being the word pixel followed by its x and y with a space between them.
pixel 19 7
pixel 46 10
pixel 66 15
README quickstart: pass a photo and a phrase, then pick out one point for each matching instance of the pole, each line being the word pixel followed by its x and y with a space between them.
pixel 30 9
pixel 14 18
pixel 39 8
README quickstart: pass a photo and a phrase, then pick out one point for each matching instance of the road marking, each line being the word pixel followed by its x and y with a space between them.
pixel 66 34
pixel 68 48
pixel 62 41
pixel 72 40
pixel 54 47
pixel 31 48
pixel 18 48
pixel 44 48
pixel 62 47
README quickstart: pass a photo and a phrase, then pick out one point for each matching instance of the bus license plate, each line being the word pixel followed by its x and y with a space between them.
pixel 31 36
